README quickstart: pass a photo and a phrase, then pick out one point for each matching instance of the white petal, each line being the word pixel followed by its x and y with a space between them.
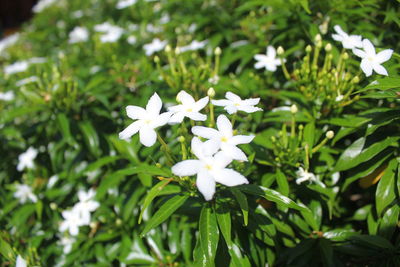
pixel 186 167
pixel 74 230
pixel 380 69
pixel 196 147
pixel 210 147
pixel 185 98
pixel 359 53
pixel 176 108
pixel 270 67
pixel 384 55
pixel 241 139
pixel 161 120
pixel 135 112
pixel 154 105
pixel 249 109
pixel 231 109
pixel 260 57
pixel 224 126
pixel 199 105
pixel 259 65
pixel 222 102
pixel 196 116
pixel 206 185
pixel 234 152
pixel 337 37
pixel 147 136
pixel 250 101
pixel 229 177
pixel 176 118
pixel 132 129
pixel 222 160
pixel 339 30
pixel 233 97
pixel 20 262
pixel 205 132
pixel 368 47
pixel 366 67
pixel 271 52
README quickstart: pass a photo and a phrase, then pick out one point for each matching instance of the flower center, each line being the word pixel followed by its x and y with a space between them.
pixel 147 121
pixel 370 59
pixel 224 139
pixel 236 104
pixel 208 167
pixel 189 110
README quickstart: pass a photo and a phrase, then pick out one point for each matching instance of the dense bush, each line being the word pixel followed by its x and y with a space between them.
pixel 88 177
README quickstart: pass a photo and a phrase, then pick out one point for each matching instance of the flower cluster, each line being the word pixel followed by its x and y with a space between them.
pixel 211 156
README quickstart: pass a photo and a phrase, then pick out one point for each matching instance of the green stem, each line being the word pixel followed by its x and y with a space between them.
pixel 166 149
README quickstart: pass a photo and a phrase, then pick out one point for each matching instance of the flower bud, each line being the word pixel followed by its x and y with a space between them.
pixel 308 48
pixel 181 139
pixel 293 109
pixel 53 206
pixel 345 56
pixel 280 50
pixel 217 51
pixel 156 59
pixel 318 38
pixel 330 134
pixel 356 80
pixel 177 50
pixel 328 47
pixel 168 48
pixel 211 92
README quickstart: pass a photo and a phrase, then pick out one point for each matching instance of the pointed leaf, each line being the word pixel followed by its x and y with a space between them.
pixel 209 234
pixel 151 195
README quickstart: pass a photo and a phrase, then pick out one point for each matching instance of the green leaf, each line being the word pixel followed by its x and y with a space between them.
pixel 224 223
pixel 244 206
pixel 64 126
pixel 209 234
pixel 339 235
pixel 385 193
pixel 372 241
pixel 91 138
pixel 6 250
pixel 309 132
pixel 388 223
pixel 151 195
pixel 166 210
pixel 283 184
pixel 383 84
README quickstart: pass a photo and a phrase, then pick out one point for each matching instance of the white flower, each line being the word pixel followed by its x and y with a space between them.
pixel 86 205
pixel 348 41
pixel 8 41
pixel 147 120
pixel 67 242
pixel 233 103
pixel 304 175
pixel 372 61
pixel 26 159
pixel 209 168
pixel 194 45
pixel 16 67
pixel 31 79
pixel 125 3
pixel 77 14
pixel 131 40
pixel 223 138
pixel 188 108
pixel 23 193
pixel 268 61
pixel 111 33
pixel 7 96
pixel 214 79
pixel 20 262
pixel 71 222
pixel 42 5
pixel 78 34
pixel 155 46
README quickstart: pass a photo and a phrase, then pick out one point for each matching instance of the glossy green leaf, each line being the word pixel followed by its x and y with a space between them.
pixel 209 234
pixel 224 223
pixel 282 182
pixel 244 206
pixel 385 191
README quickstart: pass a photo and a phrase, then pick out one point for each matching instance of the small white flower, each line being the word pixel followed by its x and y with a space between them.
pixel 67 242
pixel 78 34
pixel 71 222
pixel 28 80
pixel 348 41
pixel 155 46
pixel 42 5
pixel 8 41
pixel 194 45
pixel 209 168
pixel 188 108
pixel 304 175
pixel 77 14
pixel 372 61
pixel 233 103
pixel 214 79
pixel 86 205
pixel 131 40
pixel 16 67
pixel 111 33
pixel 125 3
pixel 26 159
pixel 20 262
pixel 147 120
pixel 223 138
pixel 7 96
pixel 268 61
pixel 23 193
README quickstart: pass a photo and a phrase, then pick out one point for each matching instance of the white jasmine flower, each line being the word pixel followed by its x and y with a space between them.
pixel 348 41
pixel 194 45
pixel 165 19
pixel 233 103
pixel 224 139
pixel 372 61
pixel 147 120
pixel 78 34
pixel 131 40
pixel 67 242
pixel 86 205
pixel 304 175
pixel 125 3
pixel 77 14
pixel 42 5
pixel 16 67
pixel 28 80
pixel 23 193
pixel 94 69
pixel 111 33
pixel 7 96
pixel 268 61
pixel 103 27
pixel 71 222
pixel 26 159
pixel 188 108
pixel 20 262
pixel 209 168
pixel 214 79
pixel 8 41
pixel 155 46
pixel 153 29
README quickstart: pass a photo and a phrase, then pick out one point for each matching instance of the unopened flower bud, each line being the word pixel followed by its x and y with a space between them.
pixel 318 38
pixel 177 50
pixel 93 225
pixel 328 47
pixel 211 92
pixel 293 109
pixel 53 206
pixel 280 50
pixel 158 165
pixel 156 59
pixel 181 139
pixel 330 134
pixel 118 222
pixel 217 51
pixel 308 48
pixel 168 48
pixel 356 80
pixel 345 56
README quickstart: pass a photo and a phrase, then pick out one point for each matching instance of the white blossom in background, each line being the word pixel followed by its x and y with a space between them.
pixel 370 60
pixel 267 61
pixel 66 243
pixel 7 96
pixel 24 193
pixel 42 5
pixel 111 33
pixel 165 19
pixel 8 41
pixel 16 67
pixel 233 103
pixel 77 14
pixel 71 222
pixel 155 46
pixel 86 205
pixel 78 34
pixel 26 159
pixel 188 108
pixel 194 45
pixel 304 175
pixel 209 168
pixel 147 120
pixel 28 80
pixel 153 29
pixel 214 79
pixel 131 40
pixel 224 139
pixel 125 3
pixel 348 41
pixel 20 262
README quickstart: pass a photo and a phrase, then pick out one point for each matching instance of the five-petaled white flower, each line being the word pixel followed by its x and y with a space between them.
pixel 372 61
pixel 188 108
pixel 209 168
pixel 24 192
pixel 268 61
pixel 111 33
pixel 26 159
pixel 71 222
pixel 147 120
pixel 233 103
pixel 155 46
pixel 304 175
pixel 348 41
pixel 7 96
pixel 20 262
pixel 78 34
pixel 86 205
pixel 223 138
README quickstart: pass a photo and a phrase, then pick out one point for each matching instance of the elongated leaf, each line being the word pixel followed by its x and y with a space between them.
pixel 224 223
pixel 383 84
pixel 244 206
pixel 151 195
pixel 385 193
pixel 389 221
pixel 372 241
pixel 209 234
pixel 164 212
pixel 283 184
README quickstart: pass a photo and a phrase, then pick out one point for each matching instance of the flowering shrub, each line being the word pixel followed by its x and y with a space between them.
pixel 157 133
